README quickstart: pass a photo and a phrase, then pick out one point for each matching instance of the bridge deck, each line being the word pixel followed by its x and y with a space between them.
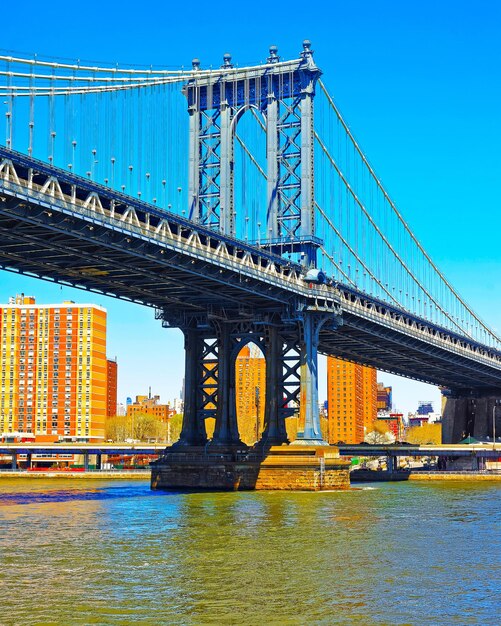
pixel 64 228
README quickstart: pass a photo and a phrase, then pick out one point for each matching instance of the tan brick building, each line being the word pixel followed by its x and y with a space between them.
pixel 250 375
pixel 351 400
pixel 150 405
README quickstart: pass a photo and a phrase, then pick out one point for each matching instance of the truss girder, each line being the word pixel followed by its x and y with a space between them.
pixel 209 170
pixel 365 342
pixel 288 137
pixel 88 236
pixel 109 252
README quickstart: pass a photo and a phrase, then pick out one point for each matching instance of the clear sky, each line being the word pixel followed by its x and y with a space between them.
pixel 418 82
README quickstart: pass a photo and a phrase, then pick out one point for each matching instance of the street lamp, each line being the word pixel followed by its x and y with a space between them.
pixel 496 402
pixel 256 398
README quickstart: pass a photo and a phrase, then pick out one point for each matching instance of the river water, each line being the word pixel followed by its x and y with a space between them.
pixel 87 552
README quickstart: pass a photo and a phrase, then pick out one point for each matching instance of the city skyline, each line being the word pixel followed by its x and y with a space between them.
pixel 418 93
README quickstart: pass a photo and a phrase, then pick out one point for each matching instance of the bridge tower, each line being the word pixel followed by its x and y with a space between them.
pixel 283 93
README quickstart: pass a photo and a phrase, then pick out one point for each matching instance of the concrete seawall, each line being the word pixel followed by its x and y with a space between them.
pixel 146 475
pixel 464 476
pixel 92 475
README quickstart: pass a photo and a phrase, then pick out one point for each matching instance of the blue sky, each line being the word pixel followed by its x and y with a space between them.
pixel 418 82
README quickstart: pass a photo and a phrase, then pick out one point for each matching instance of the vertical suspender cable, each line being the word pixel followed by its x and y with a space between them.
pixel 31 122
pixel 52 132
pixel 8 115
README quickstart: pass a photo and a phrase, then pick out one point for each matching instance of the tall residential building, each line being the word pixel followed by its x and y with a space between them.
pixel 111 387
pixel 52 369
pixel 351 400
pixel 369 396
pixel 250 375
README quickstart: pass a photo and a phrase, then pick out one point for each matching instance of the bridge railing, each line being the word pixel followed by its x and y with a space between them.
pixel 460 347
pixel 186 241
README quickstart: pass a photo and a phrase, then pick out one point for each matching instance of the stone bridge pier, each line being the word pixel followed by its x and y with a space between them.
pixel 471 413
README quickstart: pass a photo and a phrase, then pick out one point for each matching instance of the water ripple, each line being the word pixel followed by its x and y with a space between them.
pixel 121 554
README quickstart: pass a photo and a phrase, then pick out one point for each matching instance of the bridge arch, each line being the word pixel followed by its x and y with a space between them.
pixel 248 181
pixel 249 367
pixel 240 112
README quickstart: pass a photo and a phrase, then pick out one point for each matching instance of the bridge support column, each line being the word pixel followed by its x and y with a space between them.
pixel 391 463
pixel 274 429
pixel 309 415
pixel 86 461
pixel 193 431
pixel 226 429
pixel 226 175
pixel 29 457
pixel 469 413
pixel 309 76
pixel 194 158
pixel 14 461
pixel 272 161
pixel 98 461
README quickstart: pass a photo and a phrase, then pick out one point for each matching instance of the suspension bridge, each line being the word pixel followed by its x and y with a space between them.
pixel 237 203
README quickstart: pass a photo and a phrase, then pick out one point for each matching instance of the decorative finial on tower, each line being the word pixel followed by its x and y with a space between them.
pixel 273 58
pixel 227 60
pixel 307 55
pixel 195 64
pixel 306 48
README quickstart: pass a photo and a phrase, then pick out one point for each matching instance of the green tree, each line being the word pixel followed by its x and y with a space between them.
pixel 140 426
pixel 118 428
pixel 176 424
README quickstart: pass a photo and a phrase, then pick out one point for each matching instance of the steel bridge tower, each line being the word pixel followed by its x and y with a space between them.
pixel 283 93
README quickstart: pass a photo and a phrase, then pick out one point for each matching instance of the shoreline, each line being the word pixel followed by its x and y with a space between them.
pixel 494 476
pixel 91 475
pixel 146 475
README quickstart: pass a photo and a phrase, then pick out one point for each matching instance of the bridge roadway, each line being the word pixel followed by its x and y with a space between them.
pixel 81 448
pixel 450 450
pixel 64 228
pixel 487 450
pixel 13 450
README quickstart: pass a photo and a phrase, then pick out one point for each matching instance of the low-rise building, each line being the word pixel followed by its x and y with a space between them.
pixel 394 422
pixel 150 405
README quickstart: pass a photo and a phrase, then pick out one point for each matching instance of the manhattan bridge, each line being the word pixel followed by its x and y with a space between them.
pixel 237 203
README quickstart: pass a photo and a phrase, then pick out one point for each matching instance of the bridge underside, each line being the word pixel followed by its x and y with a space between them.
pixel 39 241
pixel 367 342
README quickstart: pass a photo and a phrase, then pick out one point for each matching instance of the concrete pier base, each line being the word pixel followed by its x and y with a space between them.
pixel 473 415
pixel 300 468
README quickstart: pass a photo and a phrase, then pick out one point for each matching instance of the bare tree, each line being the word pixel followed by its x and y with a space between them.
pixel 379 434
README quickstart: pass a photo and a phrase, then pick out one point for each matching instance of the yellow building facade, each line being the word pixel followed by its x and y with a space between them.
pixel 351 400
pixel 250 386
pixel 53 370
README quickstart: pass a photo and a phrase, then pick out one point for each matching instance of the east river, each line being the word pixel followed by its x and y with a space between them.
pixel 92 552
